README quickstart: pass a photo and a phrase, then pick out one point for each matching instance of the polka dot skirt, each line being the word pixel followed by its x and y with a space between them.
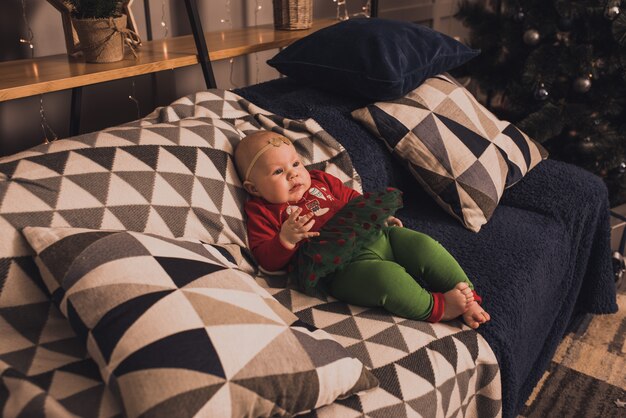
pixel 355 226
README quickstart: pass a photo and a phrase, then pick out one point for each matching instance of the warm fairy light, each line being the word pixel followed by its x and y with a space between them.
pixel 366 10
pixel 132 98
pixel 28 41
pixel 163 23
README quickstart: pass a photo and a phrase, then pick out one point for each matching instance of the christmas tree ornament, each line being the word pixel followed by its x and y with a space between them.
pixel 541 93
pixel 595 118
pixel 619 30
pixel 563 38
pixel 532 37
pixel 611 12
pixel 579 55
pixel 587 145
pixel 599 63
pixel 582 84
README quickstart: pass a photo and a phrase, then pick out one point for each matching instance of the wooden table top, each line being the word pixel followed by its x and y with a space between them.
pixel 23 78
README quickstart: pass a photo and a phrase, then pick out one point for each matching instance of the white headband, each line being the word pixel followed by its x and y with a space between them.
pixel 275 141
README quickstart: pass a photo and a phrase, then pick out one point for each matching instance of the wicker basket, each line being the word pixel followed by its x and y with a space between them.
pixel 293 14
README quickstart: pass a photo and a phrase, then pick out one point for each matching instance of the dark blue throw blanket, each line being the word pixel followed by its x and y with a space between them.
pixel 543 257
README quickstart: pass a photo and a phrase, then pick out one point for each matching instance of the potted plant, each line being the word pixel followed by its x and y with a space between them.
pixel 102 29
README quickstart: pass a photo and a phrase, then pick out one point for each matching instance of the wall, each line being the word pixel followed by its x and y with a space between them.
pixel 108 104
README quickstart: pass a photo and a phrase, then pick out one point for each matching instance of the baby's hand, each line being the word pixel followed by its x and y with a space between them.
pixel 393 221
pixel 296 228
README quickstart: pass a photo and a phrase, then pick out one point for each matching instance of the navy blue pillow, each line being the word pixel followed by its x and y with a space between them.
pixel 379 59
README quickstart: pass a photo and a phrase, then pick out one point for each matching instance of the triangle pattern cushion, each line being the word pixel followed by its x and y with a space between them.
pixel 456 138
pixel 191 311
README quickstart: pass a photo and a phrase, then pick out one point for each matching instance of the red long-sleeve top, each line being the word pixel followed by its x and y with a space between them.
pixel 324 198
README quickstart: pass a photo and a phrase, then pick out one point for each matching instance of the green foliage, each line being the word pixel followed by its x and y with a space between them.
pixel 95 9
pixel 577 42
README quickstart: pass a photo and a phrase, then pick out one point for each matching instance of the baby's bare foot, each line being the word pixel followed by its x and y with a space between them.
pixel 456 301
pixel 475 315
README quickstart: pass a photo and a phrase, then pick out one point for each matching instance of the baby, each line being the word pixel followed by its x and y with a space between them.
pixel 375 265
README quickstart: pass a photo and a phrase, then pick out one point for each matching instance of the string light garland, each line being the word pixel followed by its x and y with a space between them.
pixel 45 126
pixel 163 22
pixel 229 21
pixel 132 98
pixel 257 9
pixel 228 14
pixel 366 10
pixel 342 10
pixel 30 36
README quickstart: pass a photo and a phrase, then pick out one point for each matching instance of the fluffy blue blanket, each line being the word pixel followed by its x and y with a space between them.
pixel 543 258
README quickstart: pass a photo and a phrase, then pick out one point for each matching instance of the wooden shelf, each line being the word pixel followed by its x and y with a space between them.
pixel 24 78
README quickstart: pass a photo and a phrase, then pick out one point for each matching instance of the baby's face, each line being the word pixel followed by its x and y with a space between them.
pixel 279 176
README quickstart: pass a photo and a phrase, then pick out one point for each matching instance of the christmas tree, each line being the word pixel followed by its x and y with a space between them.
pixel 557 69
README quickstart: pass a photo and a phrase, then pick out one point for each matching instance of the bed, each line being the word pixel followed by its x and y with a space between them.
pixel 531 250
pixel 542 259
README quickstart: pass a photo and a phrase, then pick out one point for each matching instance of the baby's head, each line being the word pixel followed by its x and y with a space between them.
pixel 270 167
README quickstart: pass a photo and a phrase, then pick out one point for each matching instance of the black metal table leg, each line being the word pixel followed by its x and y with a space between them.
pixel 201 47
pixel 146 10
pixel 374 8
pixel 77 97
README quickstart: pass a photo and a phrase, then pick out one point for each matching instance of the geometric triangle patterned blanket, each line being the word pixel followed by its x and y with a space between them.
pixel 172 174
pixel 425 370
